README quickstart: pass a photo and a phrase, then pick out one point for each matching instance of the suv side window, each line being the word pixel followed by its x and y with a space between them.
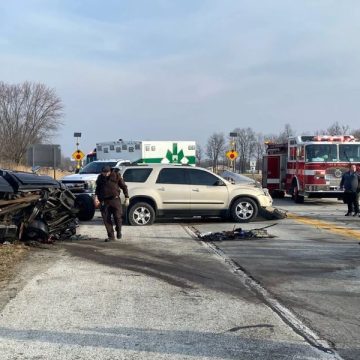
pixel 172 176
pixel 136 175
pixel 200 177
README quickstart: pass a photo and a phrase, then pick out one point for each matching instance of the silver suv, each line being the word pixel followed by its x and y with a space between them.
pixel 158 190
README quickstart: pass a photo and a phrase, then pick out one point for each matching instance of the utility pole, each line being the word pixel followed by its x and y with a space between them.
pixel 233 136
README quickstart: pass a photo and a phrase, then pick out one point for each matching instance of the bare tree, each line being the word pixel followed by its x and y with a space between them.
pixel 245 145
pixel 356 133
pixel 337 129
pixel 283 137
pixel 214 148
pixel 199 154
pixel 259 149
pixel 29 113
pixel 286 133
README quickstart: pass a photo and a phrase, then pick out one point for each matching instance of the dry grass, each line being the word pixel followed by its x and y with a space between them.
pixel 10 256
pixel 43 171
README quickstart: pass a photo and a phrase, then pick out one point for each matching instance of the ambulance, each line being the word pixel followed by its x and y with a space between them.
pixel 164 152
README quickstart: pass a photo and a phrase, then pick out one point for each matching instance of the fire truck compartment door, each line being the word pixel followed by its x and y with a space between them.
pixel 273 167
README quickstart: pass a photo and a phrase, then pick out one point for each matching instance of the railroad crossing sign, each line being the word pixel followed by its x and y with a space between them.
pixel 77 155
pixel 232 154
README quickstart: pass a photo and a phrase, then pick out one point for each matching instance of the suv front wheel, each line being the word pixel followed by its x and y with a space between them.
pixel 141 214
pixel 244 209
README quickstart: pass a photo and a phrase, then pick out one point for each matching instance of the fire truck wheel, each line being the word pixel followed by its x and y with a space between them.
pixel 244 209
pixel 299 199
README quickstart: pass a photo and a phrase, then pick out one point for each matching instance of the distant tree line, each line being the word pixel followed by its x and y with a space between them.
pixel 251 145
pixel 30 113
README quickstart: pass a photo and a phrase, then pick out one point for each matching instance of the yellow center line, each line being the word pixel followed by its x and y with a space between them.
pixel 331 227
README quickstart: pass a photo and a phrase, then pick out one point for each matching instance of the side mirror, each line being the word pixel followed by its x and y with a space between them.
pixel 219 183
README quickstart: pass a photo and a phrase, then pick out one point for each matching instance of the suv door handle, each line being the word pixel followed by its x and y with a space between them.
pixel 197 190
pixel 161 189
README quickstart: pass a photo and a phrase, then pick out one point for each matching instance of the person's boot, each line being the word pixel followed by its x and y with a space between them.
pixel 118 235
pixel 110 237
pixel 348 213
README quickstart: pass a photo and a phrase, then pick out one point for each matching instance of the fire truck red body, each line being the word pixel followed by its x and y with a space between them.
pixel 309 166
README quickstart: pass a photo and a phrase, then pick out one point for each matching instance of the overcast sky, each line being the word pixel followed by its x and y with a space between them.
pixel 184 69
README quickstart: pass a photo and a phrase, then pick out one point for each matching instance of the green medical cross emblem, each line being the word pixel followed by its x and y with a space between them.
pixel 175 156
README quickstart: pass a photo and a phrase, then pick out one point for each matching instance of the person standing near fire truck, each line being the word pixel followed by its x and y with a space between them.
pixel 350 182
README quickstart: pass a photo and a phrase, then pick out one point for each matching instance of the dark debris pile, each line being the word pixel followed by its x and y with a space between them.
pixel 235 234
pixel 36 208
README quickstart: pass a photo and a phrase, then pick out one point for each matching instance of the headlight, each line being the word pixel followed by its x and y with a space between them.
pixel 90 185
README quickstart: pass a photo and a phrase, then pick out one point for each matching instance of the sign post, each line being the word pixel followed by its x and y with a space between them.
pixel 232 155
pixel 234 136
pixel 252 165
pixel 78 155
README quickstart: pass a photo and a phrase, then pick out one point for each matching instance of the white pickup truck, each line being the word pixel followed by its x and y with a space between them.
pixel 85 181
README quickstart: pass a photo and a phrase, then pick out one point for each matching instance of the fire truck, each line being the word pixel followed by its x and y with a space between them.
pixel 309 166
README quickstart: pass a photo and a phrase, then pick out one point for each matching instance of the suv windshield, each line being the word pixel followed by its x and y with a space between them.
pixel 349 152
pixel 95 167
pixel 321 153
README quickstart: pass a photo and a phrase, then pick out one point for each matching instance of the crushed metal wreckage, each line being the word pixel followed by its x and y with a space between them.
pixel 235 234
pixel 35 207
pixel 273 213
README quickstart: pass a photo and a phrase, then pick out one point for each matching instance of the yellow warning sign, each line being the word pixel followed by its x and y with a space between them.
pixel 77 155
pixel 232 154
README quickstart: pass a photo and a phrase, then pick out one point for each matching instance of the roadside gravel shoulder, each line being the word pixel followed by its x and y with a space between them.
pixel 32 263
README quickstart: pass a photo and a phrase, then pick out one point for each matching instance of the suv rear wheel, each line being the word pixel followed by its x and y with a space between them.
pixel 244 209
pixel 141 214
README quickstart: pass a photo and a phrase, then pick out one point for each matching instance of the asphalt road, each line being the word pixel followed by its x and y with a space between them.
pixel 161 294
pixel 312 267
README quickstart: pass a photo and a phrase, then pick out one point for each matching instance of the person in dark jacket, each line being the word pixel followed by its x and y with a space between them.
pixel 350 184
pixel 108 185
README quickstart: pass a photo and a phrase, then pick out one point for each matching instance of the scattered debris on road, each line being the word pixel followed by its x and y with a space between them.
pixel 235 234
pixel 37 208
pixel 273 213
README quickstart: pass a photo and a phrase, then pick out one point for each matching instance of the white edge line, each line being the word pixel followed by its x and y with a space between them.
pixel 283 312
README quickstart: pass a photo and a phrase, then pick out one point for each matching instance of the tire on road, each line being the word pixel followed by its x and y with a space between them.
pixel 299 199
pixel 141 214
pixel 85 204
pixel 244 209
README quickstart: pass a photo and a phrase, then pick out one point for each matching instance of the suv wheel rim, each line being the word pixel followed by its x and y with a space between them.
pixel 244 210
pixel 142 215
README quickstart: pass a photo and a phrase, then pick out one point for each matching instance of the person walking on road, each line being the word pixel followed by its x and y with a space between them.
pixel 108 185
pixel 350 182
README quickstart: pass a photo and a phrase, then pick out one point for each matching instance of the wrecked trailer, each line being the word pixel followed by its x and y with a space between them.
pixel 35 207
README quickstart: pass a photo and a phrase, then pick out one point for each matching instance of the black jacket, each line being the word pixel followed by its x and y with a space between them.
pixel 350 181
pixel 108 187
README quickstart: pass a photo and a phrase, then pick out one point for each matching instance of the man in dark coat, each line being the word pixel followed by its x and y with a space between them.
pixel 108 185
pixel 350 184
